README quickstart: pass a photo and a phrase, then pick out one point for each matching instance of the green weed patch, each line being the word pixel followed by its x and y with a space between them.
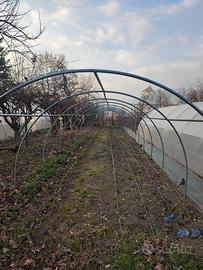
pixel 46 170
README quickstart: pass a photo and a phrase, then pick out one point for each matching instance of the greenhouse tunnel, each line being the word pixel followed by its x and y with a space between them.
pixel 191 115
pixel 160 148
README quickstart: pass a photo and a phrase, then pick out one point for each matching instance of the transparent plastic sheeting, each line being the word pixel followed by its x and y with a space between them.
pixel 6 132
pixel 191 133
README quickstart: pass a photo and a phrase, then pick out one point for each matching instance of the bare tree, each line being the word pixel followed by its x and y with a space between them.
pixel 192 95
pixel 55 88
pixel 20 103
pixel 162 98
pixel 40 95
pixel 149 95
pixel 195 93
pixel 14 32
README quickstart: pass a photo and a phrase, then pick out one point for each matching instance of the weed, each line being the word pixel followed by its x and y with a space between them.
pixel 81 179
pixel 74 245
pixel 84 193
pixel 93 173
pixel 29 189
pixel 105 231
pixel 128 254
pixel 84 204
pixel 61 159
pixel 177 260
pixel 131 262
pixel 50 201
pixel 96 171
pixel 19 229
pixel 67 207
pixel 45 170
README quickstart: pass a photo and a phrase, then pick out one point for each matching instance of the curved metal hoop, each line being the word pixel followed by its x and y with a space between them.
pixel 112 92
pixel 95 72
pixel 112 72
pixel 115 101
pixel 122 103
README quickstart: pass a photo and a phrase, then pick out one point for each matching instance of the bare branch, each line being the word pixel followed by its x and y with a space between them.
pixel 13 32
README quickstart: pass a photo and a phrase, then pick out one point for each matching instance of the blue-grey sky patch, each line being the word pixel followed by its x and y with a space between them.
pixel 159 39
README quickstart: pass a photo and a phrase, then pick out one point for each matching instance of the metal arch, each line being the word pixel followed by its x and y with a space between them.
pixel 102 87
pixel 96 105
pixel 113 92
pixel 146 115
pixel 65 111
pixel 55 121
pixel 121 102
pixel 78 104
pixel 81 109
pixel 150 135
pixel 129 112
pixel 99 104
pixel 104 71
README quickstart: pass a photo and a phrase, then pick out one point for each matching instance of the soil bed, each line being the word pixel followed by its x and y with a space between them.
pixel 102 207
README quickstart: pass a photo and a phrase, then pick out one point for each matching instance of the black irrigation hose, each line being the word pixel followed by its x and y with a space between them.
pixel 150 177
pixel 137 184
pixel 164 180
pixel 155 170
pixel 115 183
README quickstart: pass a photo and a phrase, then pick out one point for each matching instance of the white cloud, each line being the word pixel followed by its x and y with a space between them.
pixel 109 33
pixel 125 57
pixel 178 74
pixel 173 9
pixel 107 36
pixel 111 8
pixel 132 58
pixel 70 3
pixel 62 43
pixel 140 29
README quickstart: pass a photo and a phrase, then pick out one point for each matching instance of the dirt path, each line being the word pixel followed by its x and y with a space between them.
pixel 108 213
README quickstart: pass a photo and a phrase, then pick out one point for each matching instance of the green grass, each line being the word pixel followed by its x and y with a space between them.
pixel 83 193
pixel 19 230
pixel 104 231
pixel 50 201
pixel 176 261
pixel 67 207
pixel 128 254
pixel 46 170
pixel 74 245
pixel 96 171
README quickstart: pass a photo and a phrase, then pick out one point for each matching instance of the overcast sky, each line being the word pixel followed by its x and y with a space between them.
pixel 160 39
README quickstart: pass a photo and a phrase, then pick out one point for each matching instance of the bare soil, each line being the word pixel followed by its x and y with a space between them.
pixel 101 213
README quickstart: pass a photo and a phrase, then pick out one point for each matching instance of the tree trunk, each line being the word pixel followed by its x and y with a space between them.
pixel 56 125
pixel 16 139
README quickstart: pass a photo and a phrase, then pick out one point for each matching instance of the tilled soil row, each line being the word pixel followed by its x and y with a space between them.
pixel 96 220
pixel 150 178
